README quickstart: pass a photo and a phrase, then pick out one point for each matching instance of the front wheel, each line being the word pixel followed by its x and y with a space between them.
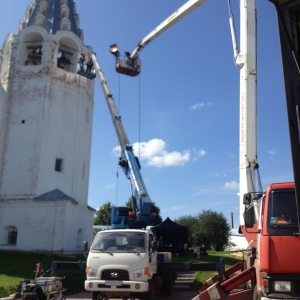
pixel 95 295
pixel 150 295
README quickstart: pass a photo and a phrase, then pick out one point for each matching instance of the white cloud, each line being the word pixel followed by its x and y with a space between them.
pixel 231 185
pixel 155 153
pixel 231 155
pixel 201 153
pixel 217 175
pixel 197 106
pixel 110 186
pixel 272 152
pixel 148 150
pixel 174 208
pixel 198 154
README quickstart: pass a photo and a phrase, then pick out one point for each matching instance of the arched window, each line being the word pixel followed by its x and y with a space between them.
pixel 67 54
pixel 12 235
pixel 32 48
pixel 79 238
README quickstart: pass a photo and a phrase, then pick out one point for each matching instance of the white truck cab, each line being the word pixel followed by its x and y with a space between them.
pixel 122 263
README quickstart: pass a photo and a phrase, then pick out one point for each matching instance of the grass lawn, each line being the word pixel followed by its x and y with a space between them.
pixel 15 266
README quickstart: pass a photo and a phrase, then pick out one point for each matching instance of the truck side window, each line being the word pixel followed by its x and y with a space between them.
pixel 282 213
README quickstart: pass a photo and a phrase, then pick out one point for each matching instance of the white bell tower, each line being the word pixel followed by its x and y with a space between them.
pixel 46 114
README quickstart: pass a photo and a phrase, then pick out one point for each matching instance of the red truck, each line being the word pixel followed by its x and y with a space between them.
pixel 270 268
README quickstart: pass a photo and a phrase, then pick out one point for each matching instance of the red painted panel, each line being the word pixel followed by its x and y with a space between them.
pixel 280 254
pixel 264 253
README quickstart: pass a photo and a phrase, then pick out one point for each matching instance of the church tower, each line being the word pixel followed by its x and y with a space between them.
pixel 46 114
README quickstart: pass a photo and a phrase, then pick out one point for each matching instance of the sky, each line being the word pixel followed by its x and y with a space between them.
pixel 183 109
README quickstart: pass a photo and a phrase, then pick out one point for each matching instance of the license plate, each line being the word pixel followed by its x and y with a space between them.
pixel 113 282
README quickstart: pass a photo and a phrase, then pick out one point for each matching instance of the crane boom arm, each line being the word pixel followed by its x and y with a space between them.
pixel 115 116
pixel 184 10
pixel 247 64
pixel 131 65
pixel 141 202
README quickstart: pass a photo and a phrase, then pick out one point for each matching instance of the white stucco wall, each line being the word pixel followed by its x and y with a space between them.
pixel 48 226
pixel 46 113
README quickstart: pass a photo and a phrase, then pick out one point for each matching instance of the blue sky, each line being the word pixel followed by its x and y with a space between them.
pixel 184 107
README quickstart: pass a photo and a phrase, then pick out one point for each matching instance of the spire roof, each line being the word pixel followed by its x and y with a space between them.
pixel 53 15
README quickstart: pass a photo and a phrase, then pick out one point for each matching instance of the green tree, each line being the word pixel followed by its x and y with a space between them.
pixel 191 222
pixel 213 230
pixel 103 215
pixel 209 228
pixel 158 218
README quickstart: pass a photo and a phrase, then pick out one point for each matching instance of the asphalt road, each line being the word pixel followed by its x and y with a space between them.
pixel 182 294
pixel 181 290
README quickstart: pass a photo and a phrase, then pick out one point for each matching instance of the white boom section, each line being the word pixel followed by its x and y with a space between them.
pixel 116 118
pixel 247 63
pixel 171 20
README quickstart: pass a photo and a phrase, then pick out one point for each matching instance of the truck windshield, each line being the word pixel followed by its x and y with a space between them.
pixel 119 242
pixel 282 212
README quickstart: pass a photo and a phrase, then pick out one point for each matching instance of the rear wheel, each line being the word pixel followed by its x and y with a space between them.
pixel 166 289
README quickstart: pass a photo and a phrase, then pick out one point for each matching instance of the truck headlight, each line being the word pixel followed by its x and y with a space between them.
pixel 282 286
pixel 138 273
pixel 91 272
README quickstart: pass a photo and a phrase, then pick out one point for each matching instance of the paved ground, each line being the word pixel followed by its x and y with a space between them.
pixel 182 290
pixel 177 295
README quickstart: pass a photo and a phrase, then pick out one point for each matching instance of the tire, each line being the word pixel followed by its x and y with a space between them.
pixel 95 295
pixel 150 295
pixel 166 289
pixel 38 293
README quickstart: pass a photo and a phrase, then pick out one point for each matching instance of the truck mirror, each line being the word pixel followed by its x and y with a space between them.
pixel 247 199
pixel 249 216
pixel 154 246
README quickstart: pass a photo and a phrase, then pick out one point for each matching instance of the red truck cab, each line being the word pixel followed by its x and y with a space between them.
pixel 276 242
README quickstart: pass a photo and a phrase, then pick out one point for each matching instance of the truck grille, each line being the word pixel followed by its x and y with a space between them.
pixel 114 274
